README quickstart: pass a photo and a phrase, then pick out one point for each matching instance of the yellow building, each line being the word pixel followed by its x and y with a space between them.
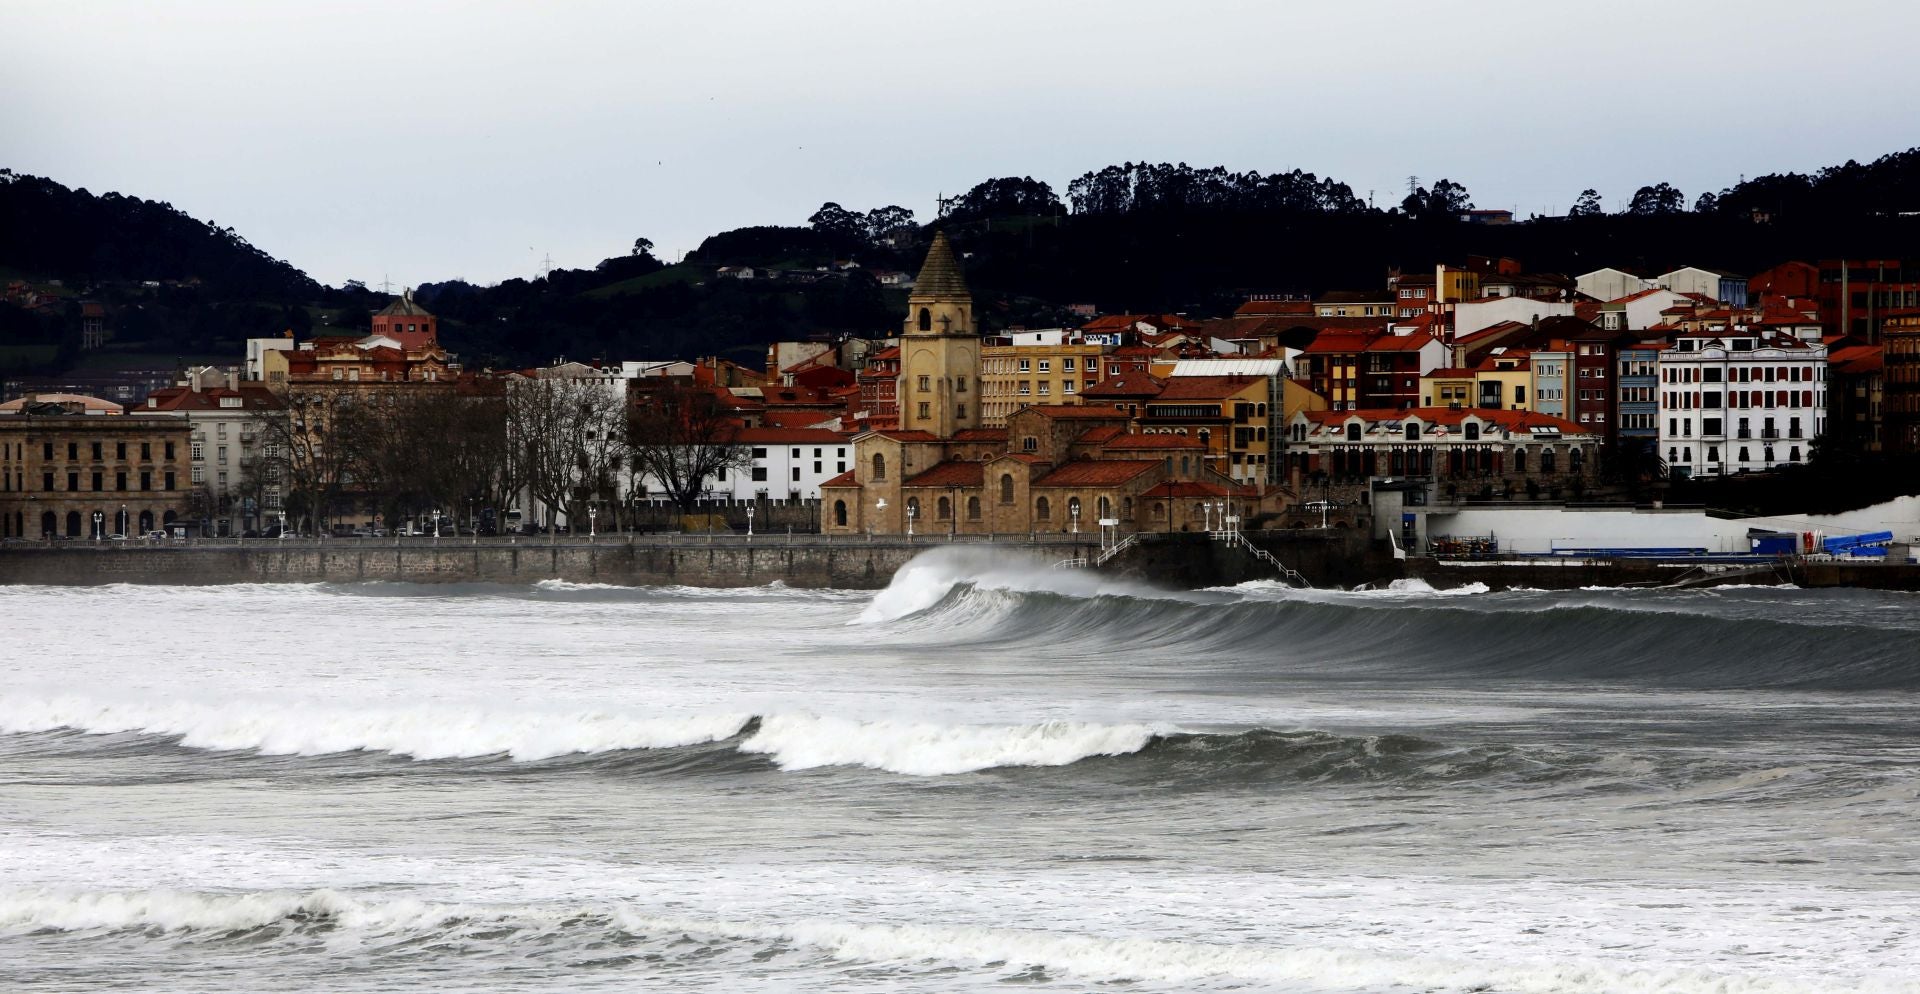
pixel 1503 382
pixel 1017 376
pixel 1456 285
pixel 939 350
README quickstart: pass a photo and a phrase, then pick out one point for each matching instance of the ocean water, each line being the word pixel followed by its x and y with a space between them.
pixel 990 776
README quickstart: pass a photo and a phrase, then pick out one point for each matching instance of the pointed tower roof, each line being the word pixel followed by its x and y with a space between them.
pixel 940 275
pixel 403 306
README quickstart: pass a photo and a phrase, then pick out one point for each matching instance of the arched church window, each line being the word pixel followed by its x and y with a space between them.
pixel 1006 488
pixel 926 319
pixel 879 467
pixel 973 509
pixel 1043 510
pixel 840 513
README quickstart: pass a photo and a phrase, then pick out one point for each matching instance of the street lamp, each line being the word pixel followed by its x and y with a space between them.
pixel 1075 515
pixel 98 520
pixel 593 521
pixel 1206 515
pixel 749 522
pixel 436 526
pixel 913 511
pixel 126 523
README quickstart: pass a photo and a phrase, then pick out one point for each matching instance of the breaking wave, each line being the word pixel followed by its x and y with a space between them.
pixel 1736 638
pixel 368 929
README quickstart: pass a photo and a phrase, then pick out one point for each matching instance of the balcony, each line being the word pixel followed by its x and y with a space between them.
pixel 1769 433
pixel 1744 433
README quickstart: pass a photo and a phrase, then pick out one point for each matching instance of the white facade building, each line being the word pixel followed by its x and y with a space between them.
pixel 1610 284
pixel 1740 400
pixel 1724 287
pixel 1473 315
pixel 787 464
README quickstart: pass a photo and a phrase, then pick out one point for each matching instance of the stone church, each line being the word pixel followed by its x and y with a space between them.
pixel 1053 468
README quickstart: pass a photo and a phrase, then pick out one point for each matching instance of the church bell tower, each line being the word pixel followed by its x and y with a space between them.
pixel 939 349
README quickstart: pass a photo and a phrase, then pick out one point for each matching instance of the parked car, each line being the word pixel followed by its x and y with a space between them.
pixel 116 538
pixel 155 536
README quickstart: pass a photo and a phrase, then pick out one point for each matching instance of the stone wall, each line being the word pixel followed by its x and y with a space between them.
pixel 851 563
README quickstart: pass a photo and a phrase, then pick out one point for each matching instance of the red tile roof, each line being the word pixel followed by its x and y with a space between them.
pixel 1133 383
pixel 1157 440
pixel 1400 343
pixel 843 480
pixel 980 435
pixel 951 473
pixel 790 436
pixel 1341 341
pixel 1096 473
pixel 1206 387
pixel 1104 433
pixel 1182 489
pixel 1065 411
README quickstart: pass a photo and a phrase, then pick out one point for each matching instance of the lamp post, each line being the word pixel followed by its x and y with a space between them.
pixel 749 522
pixel 126 523
pixel 99 519
pixel 1206 515
pixel 593 522
pixel 1075 516
pixel 436 526
pixel 913 511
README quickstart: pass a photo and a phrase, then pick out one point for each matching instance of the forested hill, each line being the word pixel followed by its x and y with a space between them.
pixel 49 231
pixel 1130 237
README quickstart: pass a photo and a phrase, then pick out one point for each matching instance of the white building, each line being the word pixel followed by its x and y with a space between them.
pixel 1473 315
pixel 1739 400
pixel 787 464
pixel 1716 284
pixel 1641 310
pixel 1610 284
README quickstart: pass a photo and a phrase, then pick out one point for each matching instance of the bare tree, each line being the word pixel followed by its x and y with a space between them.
pixel 312 447
pixel 682 438
pixel 565 439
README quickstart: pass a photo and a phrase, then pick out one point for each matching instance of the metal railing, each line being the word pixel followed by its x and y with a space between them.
pixel 1288 573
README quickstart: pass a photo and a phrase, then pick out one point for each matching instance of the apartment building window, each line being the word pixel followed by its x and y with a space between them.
pixel 759 474
pixel 220 430
pixel 1066 365
pixel 1026 366
pixel 73 481
pixel 1024 387
pixel 99 478
pixel 146 452
pixel 119 481
pixel 1045 388
pixel 146 480
pixel 1066 386
pixel 960 384
pixel 222 482
pixel 199 451
pixel 46 482
pixel 796 474
pixel 960 410
pixel 198 474
pixel 169 481
pixel 119 450
pixel 96 454
pixel 926 409
pixel 1046 366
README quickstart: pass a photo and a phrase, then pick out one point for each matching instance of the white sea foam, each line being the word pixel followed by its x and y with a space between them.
pixel 417 732
pixel 1284 959
pixel 799 742
pixel 932 575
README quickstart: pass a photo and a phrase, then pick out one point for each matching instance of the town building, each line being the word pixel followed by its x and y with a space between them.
pixel 1714 284
pixel 1610 284
pixel 784 464
pixel 66 472
pixel 1335 455
pixel 1013 376
pixel 234 484
pixel 1900 335
pixel 1740 400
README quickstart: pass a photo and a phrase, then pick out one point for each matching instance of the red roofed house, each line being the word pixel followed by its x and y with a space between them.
pixel 1053 467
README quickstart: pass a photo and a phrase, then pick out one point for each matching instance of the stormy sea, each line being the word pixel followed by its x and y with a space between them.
pixel 990 776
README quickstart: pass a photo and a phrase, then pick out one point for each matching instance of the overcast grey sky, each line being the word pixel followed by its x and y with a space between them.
pixel 424 141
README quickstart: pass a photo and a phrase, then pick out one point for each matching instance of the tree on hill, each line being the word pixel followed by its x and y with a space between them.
pixel 1588 205
pixel 1445 202
pixel 1007 196
pixel 1660 198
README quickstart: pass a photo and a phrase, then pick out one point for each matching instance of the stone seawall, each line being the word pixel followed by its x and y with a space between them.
pixel 843 563
pixel 1574 574
pixel 1326 557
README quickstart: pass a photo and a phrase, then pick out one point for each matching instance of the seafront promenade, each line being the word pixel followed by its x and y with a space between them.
pixel 1331 557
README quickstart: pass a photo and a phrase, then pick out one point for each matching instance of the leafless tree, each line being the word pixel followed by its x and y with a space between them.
pixel 312 447
pixel 566 439
pixel 682 438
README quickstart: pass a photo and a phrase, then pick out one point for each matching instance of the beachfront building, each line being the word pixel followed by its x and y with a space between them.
pixel 1332 455
pixel 73 473
pixel 1739 400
